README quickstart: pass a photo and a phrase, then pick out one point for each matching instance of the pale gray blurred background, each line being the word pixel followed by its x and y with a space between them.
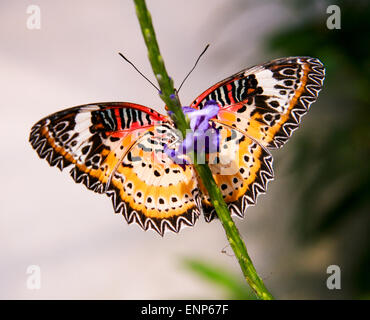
pixel 83 249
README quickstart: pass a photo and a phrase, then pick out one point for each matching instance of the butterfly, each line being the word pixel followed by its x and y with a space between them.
pixel 117 148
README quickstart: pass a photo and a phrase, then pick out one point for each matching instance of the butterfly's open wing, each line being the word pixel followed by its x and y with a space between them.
pixel 268 101
pixel 260 108
pixel 117 149
pixel 242 169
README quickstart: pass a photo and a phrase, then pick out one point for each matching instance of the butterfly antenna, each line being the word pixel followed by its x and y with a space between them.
pixel 127 60
pixel 196 62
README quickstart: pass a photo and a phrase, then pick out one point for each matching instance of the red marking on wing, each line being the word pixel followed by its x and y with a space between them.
pixel 153 114
pixel 135 125
pixel 122 133
pixel 118 118
pixel 202 96
pixel 229 93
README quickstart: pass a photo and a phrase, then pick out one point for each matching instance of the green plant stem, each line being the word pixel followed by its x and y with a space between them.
pixel 169 96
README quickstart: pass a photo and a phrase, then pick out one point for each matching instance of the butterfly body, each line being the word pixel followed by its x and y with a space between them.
pixel 117 148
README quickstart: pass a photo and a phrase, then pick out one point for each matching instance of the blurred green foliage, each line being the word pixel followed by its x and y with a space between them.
pixel 230 284
pixel 330 170
pixel 334 168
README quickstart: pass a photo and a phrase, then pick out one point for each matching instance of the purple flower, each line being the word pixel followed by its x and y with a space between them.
pixel 199 119
pixel 203 137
